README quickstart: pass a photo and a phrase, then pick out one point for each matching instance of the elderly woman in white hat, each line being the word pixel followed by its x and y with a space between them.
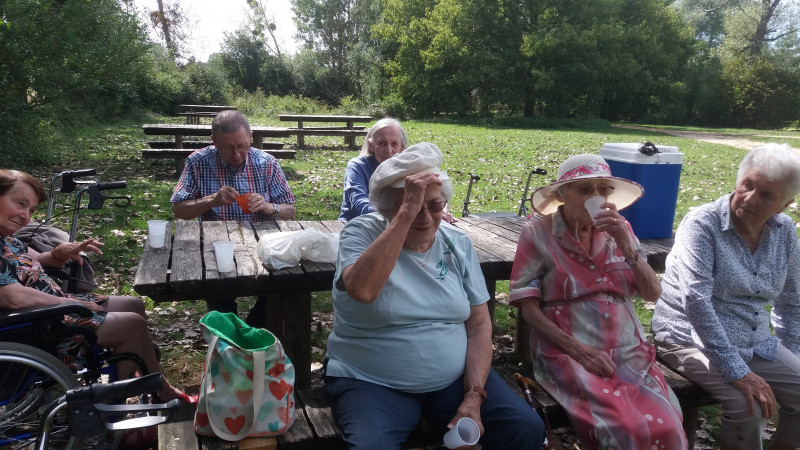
pixel 573 277
pixel 729 316
pixel 412 334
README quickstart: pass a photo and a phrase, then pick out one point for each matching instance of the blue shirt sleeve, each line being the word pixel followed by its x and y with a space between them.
pixel 786 312
pixel 355 196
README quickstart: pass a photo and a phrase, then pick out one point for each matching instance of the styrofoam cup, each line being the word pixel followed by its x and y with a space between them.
pixel 223 251
pixel 593 205
pixel 156 231
pixel 466 432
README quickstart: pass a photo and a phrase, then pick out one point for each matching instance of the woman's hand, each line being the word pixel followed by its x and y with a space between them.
pixel 755 389
pixel 596 362
pixel 71 250
pixel 469 407
pixel 613 223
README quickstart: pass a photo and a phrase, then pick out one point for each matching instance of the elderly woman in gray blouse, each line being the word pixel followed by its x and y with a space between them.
pixel 733 259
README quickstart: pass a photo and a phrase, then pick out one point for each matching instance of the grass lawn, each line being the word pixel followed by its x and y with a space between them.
pixel 501 152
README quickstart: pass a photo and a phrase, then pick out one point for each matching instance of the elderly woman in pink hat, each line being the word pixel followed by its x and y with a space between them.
pixel 576 269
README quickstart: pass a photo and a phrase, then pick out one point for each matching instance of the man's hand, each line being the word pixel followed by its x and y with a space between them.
pixel 257 203
pixel 755 389
pixel 225 196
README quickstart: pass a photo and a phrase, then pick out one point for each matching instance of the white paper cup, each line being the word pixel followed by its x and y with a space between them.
pixel 223 251
pixel 156 231
pixel 593 205
pixel 466 432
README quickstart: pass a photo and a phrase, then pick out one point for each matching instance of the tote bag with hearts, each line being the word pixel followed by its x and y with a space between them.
pixel 248 381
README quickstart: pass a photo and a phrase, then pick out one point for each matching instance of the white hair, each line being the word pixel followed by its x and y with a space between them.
pixel 778 163
pixel 384 201
pixel 379 125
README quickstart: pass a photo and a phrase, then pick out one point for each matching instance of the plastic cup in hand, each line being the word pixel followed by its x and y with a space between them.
pixel 466 432
pixel 243 200
pixel 156 231
pixel 223 251
pixel 593 205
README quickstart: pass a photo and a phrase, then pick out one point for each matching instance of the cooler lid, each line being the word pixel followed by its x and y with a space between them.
pixel 629 152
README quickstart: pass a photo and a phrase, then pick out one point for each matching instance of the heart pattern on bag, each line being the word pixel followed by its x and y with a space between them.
pixel 235 425
pixel 201 419
pixel 279 390
pixel 244 396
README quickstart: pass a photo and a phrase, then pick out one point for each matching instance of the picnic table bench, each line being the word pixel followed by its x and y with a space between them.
pixel 181 130
pixel 194 113
pixel 349 131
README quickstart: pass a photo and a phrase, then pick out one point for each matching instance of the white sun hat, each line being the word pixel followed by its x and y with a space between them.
pixel 392 173
pixel 545 200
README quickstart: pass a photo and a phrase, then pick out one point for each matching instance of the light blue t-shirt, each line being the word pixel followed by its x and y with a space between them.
pixel 412 337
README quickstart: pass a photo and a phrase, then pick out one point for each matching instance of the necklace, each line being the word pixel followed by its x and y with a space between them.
pixel 427 257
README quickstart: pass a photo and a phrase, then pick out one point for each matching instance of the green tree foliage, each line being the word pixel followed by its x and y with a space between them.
pixel 62 61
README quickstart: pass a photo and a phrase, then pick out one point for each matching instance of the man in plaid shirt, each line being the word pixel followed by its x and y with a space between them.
pixel 215 176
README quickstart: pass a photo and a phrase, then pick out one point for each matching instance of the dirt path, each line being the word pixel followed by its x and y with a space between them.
pixel 731 140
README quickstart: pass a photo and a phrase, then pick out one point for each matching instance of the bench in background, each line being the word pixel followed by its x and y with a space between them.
pixel 194 113
pixel 349 131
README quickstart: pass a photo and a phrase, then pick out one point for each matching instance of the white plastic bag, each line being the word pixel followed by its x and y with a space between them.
pixel 286 248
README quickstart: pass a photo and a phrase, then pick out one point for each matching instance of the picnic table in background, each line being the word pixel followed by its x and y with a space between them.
pixel 180 149
pixel 194 113
pixel 349 130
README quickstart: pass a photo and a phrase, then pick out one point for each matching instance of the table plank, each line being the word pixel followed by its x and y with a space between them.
pixel 153 268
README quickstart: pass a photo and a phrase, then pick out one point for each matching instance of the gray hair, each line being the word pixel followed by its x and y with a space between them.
pixel 379 125
pixel 229 121
pixel 384 201
pixel 779 163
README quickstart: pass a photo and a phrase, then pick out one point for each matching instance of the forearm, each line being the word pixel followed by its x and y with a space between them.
pixel 547 330
pixel 190 209
pixel 365 278
pixel 16 296
pixel 479 347
pixel 647 282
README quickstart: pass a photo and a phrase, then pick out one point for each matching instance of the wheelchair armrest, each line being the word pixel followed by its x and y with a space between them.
pixel 36 313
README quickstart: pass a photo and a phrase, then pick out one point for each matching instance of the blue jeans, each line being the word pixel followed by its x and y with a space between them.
pixel 372 416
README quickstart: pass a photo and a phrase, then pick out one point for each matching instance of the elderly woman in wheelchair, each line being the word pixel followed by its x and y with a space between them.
pixel 119 322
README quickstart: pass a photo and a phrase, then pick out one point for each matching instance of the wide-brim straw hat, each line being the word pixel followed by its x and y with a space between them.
pixel 545 200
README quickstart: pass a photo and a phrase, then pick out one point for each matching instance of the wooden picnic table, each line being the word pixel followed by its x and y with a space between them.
pixel 185 269
pixel 194 113
pixel 349 131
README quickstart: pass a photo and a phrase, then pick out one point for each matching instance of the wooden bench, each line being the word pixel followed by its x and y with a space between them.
pixel 194 113
pixel 204 144
pixel 349 131
pixel 179 131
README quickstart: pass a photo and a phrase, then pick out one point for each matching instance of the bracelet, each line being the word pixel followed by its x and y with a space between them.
pixel 477 389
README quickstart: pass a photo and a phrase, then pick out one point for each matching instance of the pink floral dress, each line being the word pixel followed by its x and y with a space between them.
pixel 587 296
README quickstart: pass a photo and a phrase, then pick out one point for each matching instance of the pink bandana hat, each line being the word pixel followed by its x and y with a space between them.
pixel 546 200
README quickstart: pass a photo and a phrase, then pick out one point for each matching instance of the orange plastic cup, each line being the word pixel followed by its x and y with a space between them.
pixel 242 200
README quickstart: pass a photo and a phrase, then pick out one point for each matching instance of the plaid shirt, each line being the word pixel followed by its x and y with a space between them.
pixel 205 172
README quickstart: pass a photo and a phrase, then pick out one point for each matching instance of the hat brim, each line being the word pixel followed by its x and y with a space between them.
pixel 545 199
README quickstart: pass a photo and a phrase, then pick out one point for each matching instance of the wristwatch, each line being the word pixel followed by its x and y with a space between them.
pixel 632 261
pixel 277 208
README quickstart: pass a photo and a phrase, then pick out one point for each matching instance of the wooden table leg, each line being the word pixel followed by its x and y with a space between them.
pixel 350 140
pixel 523 339
pixel 301 141
pixel 289 318
pixel 258 141
pixel 491 286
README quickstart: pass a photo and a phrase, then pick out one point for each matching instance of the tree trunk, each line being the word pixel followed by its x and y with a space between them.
pixel 165 29
pixel 768 8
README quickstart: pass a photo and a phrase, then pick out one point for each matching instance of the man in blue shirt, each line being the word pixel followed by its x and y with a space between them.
pixel 215 176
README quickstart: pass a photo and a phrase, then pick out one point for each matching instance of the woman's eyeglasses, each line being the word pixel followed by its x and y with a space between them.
pixel 433 207
pixel 588 189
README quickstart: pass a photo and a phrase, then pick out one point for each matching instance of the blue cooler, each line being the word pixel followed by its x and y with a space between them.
pixel 660 175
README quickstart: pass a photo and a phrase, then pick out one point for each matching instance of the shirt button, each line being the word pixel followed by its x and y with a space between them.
pixel 592 267
pixel 756 312
pixel 572 255
pixel 599 280
pixel 755 273
pixel 754 328
pixel 606 315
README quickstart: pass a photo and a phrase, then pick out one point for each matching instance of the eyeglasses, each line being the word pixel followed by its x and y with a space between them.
pixel 233 149
pixel 433 207
pixel 588 189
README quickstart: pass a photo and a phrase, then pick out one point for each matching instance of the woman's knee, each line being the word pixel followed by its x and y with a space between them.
pixel 126 303
pixel 121 328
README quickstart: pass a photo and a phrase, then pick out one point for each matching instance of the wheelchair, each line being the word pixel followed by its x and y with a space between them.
pixel 33 381
pixel 523 209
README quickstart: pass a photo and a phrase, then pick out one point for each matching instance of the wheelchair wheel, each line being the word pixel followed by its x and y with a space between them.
pixel 30 379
